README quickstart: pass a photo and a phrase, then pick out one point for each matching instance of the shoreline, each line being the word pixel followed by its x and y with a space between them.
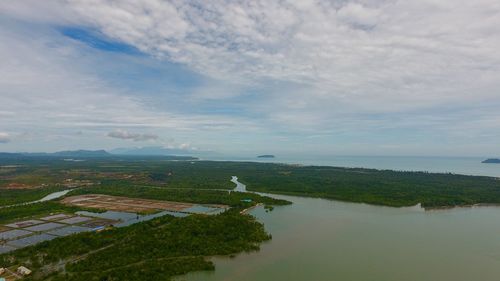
pixel 466 166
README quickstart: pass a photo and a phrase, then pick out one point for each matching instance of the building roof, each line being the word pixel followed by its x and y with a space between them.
pixel 23 270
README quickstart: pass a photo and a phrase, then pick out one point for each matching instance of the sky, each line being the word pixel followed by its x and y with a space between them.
pixel 331 77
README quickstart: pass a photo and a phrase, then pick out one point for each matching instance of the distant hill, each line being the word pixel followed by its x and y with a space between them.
pixel 492 160
pixel 266 156
pixel 67 153
pixel 82 153
pixel 8 155
pixel 79 154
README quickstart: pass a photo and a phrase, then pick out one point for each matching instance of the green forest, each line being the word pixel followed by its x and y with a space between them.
pixel 31 210
pixel 165 247
pixel 152 250
pixel 185 180
pixel 202 196
pixel 379 187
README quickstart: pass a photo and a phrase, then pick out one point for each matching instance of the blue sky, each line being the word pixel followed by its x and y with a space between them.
pixel 384 77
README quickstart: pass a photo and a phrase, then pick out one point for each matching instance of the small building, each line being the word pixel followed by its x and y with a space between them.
pixel 2 271
pixel 23 270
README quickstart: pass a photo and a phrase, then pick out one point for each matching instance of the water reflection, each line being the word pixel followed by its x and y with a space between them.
pixel 126 218
pixel 323 240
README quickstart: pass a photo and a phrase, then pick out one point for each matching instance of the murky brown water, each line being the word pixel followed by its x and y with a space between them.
pixel 322 240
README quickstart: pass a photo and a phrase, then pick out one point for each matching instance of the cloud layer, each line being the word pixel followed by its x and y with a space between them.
pixel 4 137
pixel 397 76
pixel 125 135
pixel 403 53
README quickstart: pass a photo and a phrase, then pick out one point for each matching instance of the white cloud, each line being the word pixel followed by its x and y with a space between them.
pixel 358 15
pixel 125 135
pixel 47 87
pixel 378 54
pixel 339 67
pixel 4 137
pixel 185 146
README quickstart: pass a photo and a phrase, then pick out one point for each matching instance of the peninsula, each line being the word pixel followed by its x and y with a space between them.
pixel 266 156
pixel 492 161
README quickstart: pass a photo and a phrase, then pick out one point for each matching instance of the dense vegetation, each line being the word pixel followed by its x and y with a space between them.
pixel 152 250
pixel 392 188
pixel 167 246
pixel 382 187
pixel 38 209
pixel 16 196
pixel 233 199
pixel 149 171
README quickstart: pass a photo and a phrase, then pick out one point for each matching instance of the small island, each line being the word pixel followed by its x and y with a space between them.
pixel 492 160
pixel 266 156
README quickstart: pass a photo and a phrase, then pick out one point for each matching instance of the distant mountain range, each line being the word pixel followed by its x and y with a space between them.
pixel 117 153
pixel 492 160
pixel 82 153
pixel 66 153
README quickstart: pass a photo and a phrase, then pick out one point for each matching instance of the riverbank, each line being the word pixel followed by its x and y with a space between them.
pixel 51 196
pixel 319 239
pixel 379 187
pixel 457 165
pixel 224 233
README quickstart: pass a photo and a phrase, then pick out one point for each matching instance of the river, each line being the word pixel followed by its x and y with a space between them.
pixel 325 240
pixel 51 196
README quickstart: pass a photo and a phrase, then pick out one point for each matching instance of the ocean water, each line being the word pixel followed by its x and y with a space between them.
pixel 456 165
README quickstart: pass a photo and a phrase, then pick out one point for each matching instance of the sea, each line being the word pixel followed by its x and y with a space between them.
pixel 455 165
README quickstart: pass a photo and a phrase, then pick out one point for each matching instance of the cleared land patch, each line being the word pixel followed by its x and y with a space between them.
pixel 15 185
pixel 126 204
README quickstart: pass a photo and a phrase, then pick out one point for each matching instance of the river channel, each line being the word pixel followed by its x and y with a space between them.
pixel 325 240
